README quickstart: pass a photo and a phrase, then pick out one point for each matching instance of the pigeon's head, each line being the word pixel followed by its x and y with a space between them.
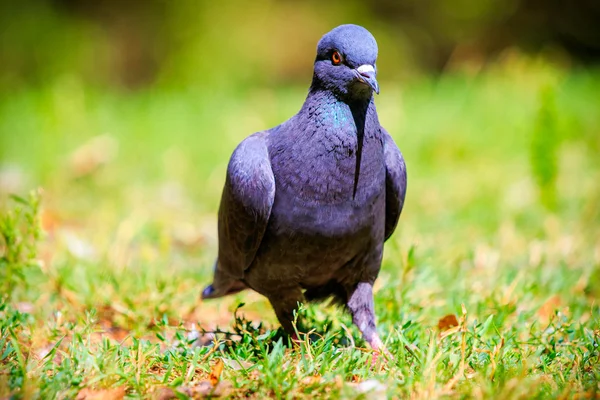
pixel 345 62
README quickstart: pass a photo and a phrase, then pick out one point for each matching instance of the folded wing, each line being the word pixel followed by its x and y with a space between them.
pixel 395 183
pixel 244 213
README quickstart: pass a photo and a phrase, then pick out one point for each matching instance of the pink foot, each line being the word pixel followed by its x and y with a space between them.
pixel 380 353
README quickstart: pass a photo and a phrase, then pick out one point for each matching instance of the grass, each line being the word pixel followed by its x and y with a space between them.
pixel 489 289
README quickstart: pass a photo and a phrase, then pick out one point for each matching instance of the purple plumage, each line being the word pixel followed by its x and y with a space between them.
pixel 307 205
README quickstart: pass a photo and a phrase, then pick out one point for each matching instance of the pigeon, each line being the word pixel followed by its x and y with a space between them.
pixel 307 205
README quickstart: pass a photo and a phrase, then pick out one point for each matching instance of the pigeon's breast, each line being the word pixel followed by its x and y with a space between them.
pixel 329 206
pixel 310 243
pixel 329 202
pixel 320 190
pixel 292 216
pixel 315 158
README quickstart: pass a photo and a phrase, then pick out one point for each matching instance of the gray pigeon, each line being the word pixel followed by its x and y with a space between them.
pixel 307 205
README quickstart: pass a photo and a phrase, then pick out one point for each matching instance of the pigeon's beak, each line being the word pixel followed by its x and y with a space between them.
pixel 366 74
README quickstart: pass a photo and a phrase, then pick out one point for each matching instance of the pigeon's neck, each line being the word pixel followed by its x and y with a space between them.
pixel 345 129
pixel 326 109
pixel 330 150
pixel 318 95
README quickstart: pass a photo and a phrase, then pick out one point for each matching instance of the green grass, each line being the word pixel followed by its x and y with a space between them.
pixel 500 229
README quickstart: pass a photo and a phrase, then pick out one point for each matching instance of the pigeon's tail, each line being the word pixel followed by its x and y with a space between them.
pixel 210 292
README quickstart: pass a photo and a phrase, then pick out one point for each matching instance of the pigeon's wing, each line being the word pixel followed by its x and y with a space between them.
pixel 245 206
pixel 395 183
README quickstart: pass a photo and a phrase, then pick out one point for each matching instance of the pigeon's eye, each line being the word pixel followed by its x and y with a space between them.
pixel 336 58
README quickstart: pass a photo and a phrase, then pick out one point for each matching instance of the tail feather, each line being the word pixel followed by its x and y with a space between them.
pixel 210 292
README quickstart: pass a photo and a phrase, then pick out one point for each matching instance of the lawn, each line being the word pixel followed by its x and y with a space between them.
pixel 489 288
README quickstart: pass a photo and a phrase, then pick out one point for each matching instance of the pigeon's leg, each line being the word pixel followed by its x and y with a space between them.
pixel 362 308
pixel 285 302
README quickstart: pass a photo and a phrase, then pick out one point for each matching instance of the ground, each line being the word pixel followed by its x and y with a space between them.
pixel 489 287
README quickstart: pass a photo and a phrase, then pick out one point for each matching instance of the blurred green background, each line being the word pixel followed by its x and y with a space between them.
pixel 125 115
pixel 128 111
pixel 220 46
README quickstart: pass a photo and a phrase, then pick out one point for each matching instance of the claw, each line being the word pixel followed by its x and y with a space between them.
pixel 379 350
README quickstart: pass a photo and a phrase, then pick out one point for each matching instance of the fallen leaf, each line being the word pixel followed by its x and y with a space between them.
pixel 164 393
pixel 205 388
pixel 215 373
pixel 49 220
pixel 101 394
pixel 312 380
pixel 546 311
pixel 447 322
pixel 202 388
pixel 223 388
pixel 117 334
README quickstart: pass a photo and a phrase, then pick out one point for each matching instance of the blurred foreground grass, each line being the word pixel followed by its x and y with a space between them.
pixel 500 232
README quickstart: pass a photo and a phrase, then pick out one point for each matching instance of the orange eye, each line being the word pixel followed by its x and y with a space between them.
pixel 336 58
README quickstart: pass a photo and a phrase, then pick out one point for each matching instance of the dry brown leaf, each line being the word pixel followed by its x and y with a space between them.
pixel 117 334
pixel 101 394
pixel 164 393
pixel 586 395
pixel 447 322
pixel 49 220
pixel 224 388
pixel 312 380
pixel 547 309
pixel 215 373
pixel 205 388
